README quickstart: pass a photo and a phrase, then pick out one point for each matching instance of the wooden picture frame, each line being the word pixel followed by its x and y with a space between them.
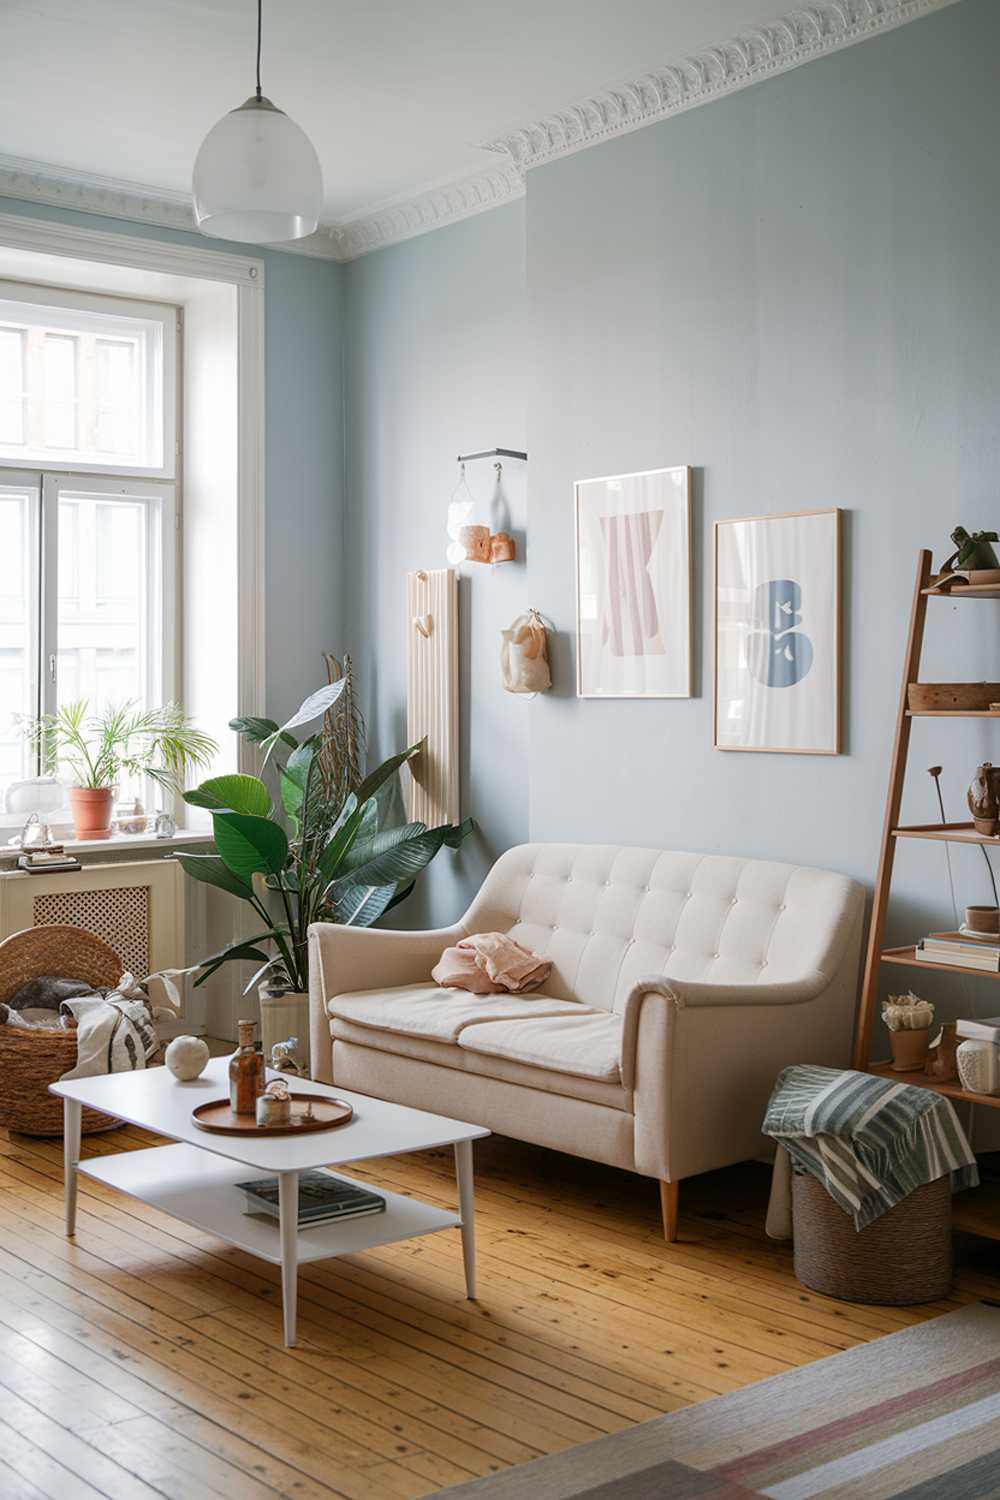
pixel 777 687
pixel 634 627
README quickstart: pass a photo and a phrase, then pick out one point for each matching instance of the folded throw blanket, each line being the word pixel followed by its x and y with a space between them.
pixel 490 963
pixel 870 1141
pixel 114 1031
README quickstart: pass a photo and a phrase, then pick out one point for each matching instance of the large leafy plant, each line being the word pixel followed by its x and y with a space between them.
pixel 318 852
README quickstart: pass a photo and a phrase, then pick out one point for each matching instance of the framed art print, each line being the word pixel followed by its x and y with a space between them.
pixel 777 633
pixel 633 585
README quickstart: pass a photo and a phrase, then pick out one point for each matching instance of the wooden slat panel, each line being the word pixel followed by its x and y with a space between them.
pixel 432 695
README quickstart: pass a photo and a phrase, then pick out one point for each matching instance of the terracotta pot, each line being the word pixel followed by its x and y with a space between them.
pixel 91 808
pixel 984 919
pixel 942 1060
pixel 909 1049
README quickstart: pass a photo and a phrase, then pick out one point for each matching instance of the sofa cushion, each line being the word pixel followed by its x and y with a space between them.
pixel 461 1060
pixel 426 1010
pixel 587 1043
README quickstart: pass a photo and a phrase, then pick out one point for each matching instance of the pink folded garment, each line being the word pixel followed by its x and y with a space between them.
pixel 491 963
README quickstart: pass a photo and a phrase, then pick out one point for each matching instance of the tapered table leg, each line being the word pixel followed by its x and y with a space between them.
pixel 467 1212
pixel 288 1210
pixel 72 1121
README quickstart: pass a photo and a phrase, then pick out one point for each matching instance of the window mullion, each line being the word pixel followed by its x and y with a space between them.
pixel 49 592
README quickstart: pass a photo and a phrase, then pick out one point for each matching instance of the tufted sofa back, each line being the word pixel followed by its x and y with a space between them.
pixel 609 916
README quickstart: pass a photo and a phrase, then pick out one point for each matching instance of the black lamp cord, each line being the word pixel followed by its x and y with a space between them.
pixel 260 4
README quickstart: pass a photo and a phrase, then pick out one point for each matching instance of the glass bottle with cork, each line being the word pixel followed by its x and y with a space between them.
pixel 247 1073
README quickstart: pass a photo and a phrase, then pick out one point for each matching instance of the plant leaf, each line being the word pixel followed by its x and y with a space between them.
pixel 242 794
pixel 361 905
pixel 316 704
pixel 212 870
pixel 294 775
pixel 249 844
pixel 238 953
pixel 330 860
pixel 455 833
pixel 366 848
pixel 401 862
pixel 381 773
pixel 257 730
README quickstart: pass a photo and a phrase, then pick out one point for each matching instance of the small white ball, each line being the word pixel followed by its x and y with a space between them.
pixel 186 1057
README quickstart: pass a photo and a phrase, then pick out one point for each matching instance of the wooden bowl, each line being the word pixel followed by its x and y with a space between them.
pixel 939 697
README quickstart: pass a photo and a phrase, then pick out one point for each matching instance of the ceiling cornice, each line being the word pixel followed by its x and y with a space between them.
pixel 798 37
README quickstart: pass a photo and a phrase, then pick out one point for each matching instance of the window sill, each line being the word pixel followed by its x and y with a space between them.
pixel 119 842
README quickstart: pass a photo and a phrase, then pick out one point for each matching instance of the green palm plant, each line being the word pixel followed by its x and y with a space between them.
pixel 317 853
pixel 97 748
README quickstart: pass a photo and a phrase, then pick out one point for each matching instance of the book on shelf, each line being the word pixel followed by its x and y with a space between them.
pixel 964 952
pixel 980 1031
pixel 323 1198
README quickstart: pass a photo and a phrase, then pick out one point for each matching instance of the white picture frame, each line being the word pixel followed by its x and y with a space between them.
pixel 778 647
pixel 633 585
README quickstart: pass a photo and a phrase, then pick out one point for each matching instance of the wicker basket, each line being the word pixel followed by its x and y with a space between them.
pixel 901 1259
pixel 32 1058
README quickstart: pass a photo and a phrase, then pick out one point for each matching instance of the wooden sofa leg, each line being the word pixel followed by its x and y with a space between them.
pixel 669 1193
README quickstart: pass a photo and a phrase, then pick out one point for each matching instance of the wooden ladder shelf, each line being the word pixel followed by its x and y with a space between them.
pixel 924 590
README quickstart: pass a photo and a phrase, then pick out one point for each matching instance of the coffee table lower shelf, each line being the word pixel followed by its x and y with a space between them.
pixel 200 1189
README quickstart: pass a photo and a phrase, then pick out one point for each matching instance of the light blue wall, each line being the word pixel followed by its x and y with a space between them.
pixel 797 291
pixel 304 451
pixel 435 356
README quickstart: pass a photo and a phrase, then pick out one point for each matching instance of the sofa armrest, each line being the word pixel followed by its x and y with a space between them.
pixel 344 959
pixel 701 1060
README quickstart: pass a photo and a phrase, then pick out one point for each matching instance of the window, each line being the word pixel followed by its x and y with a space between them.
pixel 87 382
pixel 88 512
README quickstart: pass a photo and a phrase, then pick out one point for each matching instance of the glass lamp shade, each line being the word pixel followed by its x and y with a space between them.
pixel 257 177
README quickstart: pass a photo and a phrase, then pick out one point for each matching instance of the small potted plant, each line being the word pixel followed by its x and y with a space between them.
pixel 96 749
pixel 909 1020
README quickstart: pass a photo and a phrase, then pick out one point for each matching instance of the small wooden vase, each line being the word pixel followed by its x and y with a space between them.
pixel 984 799
pixel 909 1049
pixel 942 1059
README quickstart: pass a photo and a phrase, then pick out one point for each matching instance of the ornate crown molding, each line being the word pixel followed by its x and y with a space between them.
pixel 795 38
pixel 444 203
pixel 798 37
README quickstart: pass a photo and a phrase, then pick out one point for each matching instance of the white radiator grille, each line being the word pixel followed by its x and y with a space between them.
pixel 432 697
pixel 119 915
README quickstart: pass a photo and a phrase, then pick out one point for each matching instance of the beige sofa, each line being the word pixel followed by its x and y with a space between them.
pixel 681 985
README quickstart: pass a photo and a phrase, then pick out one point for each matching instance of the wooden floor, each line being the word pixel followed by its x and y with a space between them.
pixel 145 1358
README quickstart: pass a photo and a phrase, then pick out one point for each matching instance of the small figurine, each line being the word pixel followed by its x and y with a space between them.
pixel 283 1056
pixel 984 801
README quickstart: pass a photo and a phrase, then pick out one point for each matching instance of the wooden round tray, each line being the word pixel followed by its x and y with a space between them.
pixel 219 1117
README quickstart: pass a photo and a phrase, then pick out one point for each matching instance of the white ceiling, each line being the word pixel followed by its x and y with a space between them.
pixel 395 94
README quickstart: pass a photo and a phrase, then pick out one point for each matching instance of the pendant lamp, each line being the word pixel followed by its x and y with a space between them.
pixel 257 177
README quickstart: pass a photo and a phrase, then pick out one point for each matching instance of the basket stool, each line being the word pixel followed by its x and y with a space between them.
pixel 903 1258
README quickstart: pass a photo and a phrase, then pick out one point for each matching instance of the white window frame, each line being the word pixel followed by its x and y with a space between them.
pixel 161 565
pixel 79 310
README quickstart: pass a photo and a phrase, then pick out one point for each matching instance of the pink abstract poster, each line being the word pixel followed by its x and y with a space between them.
pixel 634 585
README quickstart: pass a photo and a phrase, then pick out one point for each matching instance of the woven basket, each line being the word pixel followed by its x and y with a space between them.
pixel 901 1259
pixel 32 1058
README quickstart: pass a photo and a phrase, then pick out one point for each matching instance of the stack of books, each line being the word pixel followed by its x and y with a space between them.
pixel 980 1031
pixel 958 948
pixel 323 1199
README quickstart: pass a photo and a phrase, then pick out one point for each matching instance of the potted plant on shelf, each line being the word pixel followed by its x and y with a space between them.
pixel 909 1021
pixel 328 849
pixel 95 749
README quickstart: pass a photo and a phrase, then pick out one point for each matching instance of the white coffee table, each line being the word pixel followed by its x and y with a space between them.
pixel 196 1179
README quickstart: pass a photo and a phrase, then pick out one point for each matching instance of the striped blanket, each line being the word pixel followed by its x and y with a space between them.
pixel 869 1141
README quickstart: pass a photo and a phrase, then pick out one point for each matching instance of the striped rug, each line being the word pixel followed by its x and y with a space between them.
pixel 914 1415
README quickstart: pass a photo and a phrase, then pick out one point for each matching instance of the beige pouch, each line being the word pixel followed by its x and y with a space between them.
pixel 524 655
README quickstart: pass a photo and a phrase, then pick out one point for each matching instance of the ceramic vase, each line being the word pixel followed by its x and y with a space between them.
pixel 979 1067
pixel 187 1058
pixel 909 1049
